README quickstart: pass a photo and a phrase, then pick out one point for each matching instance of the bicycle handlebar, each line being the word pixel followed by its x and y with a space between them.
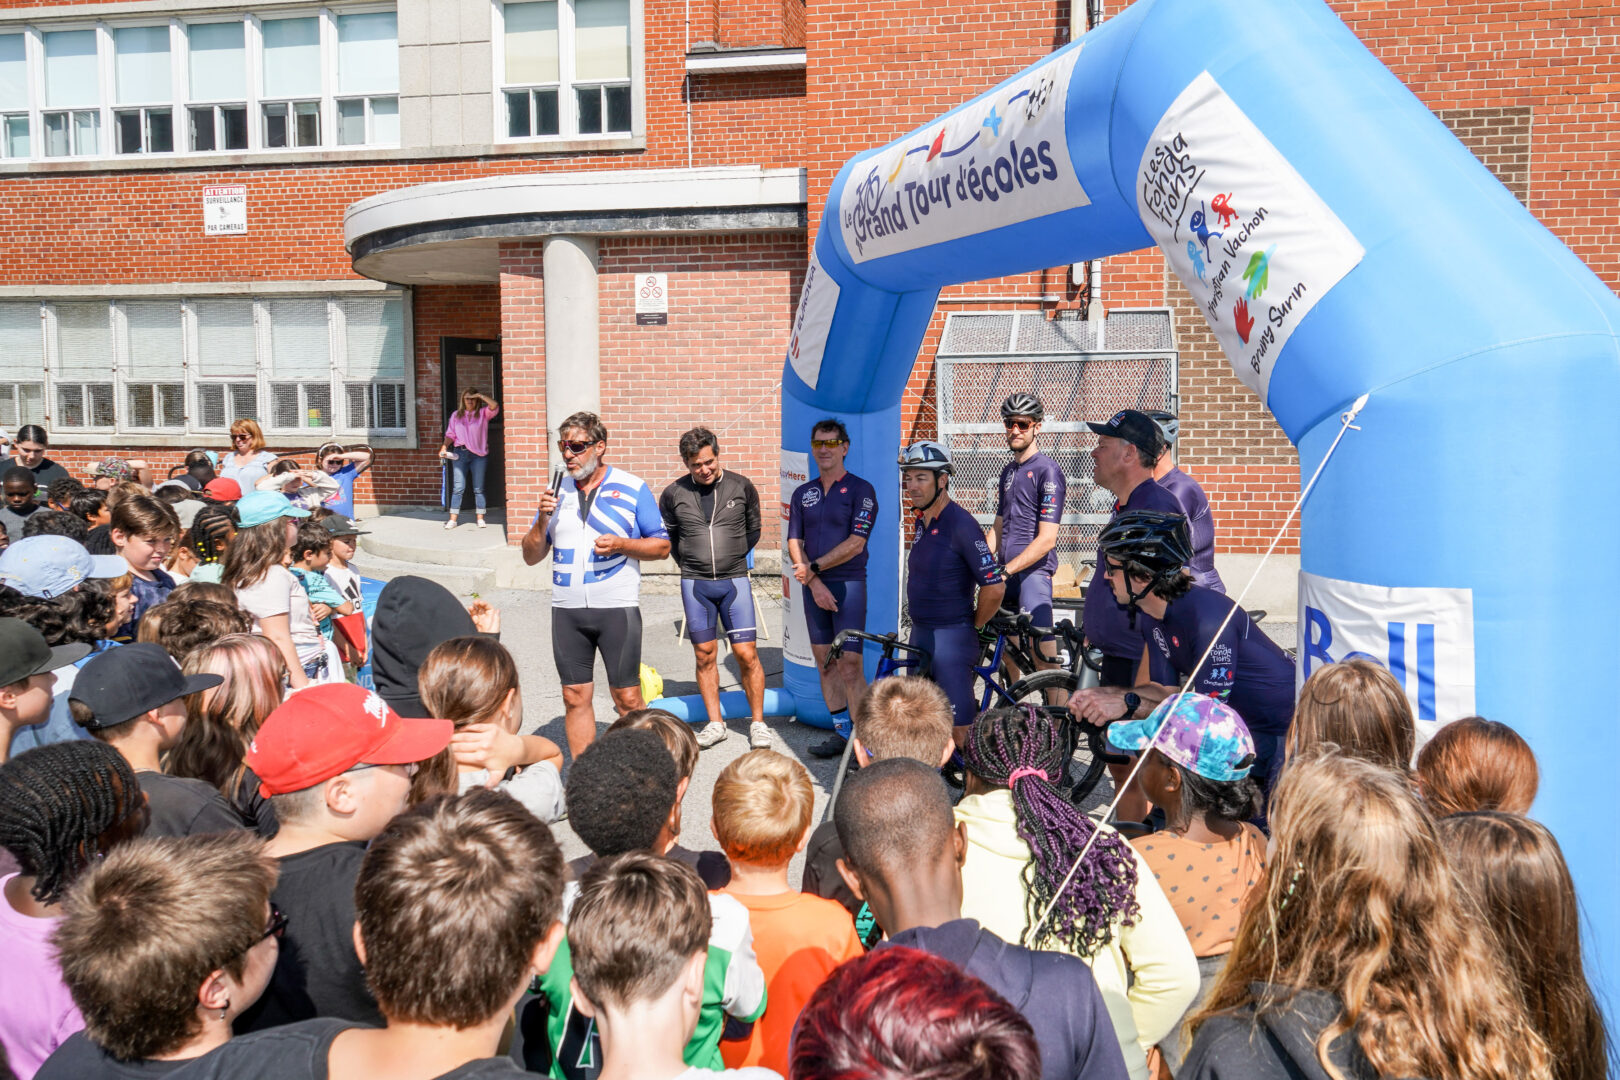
pixel 888 641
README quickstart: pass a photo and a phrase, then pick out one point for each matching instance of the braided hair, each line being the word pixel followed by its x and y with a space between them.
pixel 57 805
pixel 210 533
pixel 1020 749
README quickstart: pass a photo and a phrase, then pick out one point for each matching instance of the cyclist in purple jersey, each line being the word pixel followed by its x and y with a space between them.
pixel 1128 447
pixel 1194 503
pixel 830 520
pixel 1146 557
pixel 949 559
pixel 1029 508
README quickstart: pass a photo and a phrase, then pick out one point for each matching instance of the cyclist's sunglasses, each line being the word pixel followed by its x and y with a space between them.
pixel 575 446
pixel 825 444
pixel 1019 425
pixel 278 923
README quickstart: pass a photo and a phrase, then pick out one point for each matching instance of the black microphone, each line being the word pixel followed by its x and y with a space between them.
pixel 556 480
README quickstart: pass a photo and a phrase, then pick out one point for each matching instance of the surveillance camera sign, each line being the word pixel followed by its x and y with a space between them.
pixel 225 210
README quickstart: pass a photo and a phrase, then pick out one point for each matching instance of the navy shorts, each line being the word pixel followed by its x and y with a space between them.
pixel 851 614
pixel 1029 592
pixel 711 605
pixel 955 651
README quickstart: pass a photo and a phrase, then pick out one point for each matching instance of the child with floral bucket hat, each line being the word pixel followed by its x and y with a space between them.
pixel 1209 858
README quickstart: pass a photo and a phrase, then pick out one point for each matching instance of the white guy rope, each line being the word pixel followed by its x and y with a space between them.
pixel 1347 423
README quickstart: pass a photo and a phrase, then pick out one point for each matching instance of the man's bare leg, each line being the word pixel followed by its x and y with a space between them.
pixel 579 717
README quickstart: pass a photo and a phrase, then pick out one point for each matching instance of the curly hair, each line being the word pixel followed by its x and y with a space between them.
pixel 64 804
pixel 1360 901
pixel 1020 749
pixel 900 1013
pixel 79 616
pixel 620 792
pixel 48 522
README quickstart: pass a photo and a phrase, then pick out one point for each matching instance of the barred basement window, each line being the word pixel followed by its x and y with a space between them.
pixel 315 366
pixel 22 366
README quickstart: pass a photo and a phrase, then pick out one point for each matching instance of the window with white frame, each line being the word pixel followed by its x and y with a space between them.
pixel 566 68
pixel 22 366
pixel 322 78
pixel 296 365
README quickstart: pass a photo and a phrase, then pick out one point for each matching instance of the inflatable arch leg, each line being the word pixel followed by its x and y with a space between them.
pixel 1340 242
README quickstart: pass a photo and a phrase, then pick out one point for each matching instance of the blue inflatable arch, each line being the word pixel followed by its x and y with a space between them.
pixel 1341 242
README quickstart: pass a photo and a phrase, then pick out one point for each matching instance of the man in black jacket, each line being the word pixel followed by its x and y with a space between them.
pixel 903 854
pixel 712 517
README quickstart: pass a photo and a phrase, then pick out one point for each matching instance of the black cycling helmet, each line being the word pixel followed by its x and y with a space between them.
pixel 1156 540
pixel 1022 404
pixel 1159 542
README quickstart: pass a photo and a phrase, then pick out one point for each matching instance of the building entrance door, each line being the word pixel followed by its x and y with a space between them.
pixel 470 363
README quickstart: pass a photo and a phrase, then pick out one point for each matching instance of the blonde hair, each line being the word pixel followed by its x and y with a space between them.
pixel 677 736
pixel 251 430
pixel 118 584
pixel 1477 764
pixel 1359 901
pixel 1359 708
pixel 762 806
pixel 905 716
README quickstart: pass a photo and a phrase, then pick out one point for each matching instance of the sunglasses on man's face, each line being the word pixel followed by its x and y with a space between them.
pixel 1018 425
pixel 826 444
pixel 575 447
pixel 278 924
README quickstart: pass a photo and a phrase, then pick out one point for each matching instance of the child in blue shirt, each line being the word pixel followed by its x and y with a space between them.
pixel 312 552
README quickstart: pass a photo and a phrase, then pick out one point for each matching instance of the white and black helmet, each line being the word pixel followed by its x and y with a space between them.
pixel 1022 404
pixel 927 454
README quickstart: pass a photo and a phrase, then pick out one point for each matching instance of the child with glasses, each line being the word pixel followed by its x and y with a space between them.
pixel 162 945
pixel 336 764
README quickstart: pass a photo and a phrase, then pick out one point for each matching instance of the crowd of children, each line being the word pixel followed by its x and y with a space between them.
pixel 222 858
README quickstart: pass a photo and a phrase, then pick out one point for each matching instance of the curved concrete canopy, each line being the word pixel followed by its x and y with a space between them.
pixel 450 233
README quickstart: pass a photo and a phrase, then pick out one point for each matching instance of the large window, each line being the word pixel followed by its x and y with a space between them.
pixel 566 67
pixel 203 85
pixel 297 365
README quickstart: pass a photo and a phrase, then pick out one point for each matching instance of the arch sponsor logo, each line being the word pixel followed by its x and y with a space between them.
pixel 1423 636
pixel 1000 159
pixel 1255 245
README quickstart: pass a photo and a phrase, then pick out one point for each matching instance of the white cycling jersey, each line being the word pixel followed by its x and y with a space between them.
pixel 623 505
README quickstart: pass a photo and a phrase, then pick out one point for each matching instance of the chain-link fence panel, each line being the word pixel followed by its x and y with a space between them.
pixel 1081 371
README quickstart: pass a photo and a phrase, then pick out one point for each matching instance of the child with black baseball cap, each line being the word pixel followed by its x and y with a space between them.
pixel 133 698
pixel 336 764
pixel 26 663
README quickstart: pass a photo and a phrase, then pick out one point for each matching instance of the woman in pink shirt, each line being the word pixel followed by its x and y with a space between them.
pixel 466 447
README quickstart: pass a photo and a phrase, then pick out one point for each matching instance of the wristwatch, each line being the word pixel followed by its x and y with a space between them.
pixel 1133 701
pixel 815 568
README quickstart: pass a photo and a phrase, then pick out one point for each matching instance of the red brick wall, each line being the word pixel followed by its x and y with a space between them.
pixel 523 378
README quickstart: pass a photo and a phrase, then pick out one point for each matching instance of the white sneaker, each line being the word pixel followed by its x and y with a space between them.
pixel 713 733
pixel 759 735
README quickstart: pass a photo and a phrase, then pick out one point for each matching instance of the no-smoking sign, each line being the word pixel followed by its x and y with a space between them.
pixel 652 299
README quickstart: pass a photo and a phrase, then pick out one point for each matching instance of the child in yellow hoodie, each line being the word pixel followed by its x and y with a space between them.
pixel 1112 914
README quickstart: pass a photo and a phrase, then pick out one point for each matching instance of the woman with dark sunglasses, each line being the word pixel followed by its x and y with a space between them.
pixel 162 944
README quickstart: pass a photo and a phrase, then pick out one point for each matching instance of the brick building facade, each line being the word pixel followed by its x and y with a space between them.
pixel 696 140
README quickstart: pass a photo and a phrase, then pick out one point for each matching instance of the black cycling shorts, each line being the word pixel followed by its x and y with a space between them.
pixel 578 634
pixel 1119 671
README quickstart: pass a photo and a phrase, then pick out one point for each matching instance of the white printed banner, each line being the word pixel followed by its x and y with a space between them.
pixel 795 634
pixel 1252 241
pixel 999 160
pixel 818 300
pixel 1424 636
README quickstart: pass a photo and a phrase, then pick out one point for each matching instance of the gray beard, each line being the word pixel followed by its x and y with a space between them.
pixel 581 473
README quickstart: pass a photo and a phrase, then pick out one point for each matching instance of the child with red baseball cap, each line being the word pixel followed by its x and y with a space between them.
pixel 336 764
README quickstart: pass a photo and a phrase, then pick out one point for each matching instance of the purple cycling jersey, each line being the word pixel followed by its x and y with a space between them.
pixel 949 557
pixel 1245 669
pixel 1106 624
pixel 1195 504
pixel 1030 495
pixel 823 518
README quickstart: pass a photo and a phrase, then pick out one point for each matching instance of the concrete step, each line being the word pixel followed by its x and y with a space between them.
pixel 461 580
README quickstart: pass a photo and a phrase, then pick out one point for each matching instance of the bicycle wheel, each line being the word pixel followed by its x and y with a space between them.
pixel 1088 743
